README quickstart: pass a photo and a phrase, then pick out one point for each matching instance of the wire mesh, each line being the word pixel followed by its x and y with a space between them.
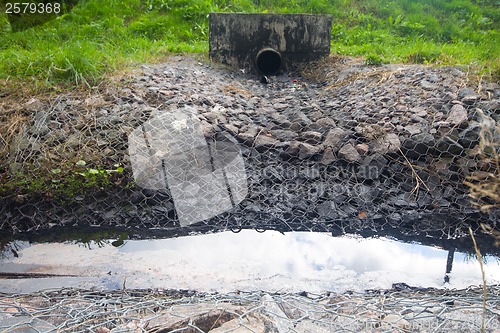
pixel 395 310
pixel 338 146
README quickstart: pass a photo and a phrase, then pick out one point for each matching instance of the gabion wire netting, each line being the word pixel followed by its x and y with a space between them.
pixel 187 146
pixel 395 310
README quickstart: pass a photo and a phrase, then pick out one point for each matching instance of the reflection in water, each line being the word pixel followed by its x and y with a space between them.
pixel 249 260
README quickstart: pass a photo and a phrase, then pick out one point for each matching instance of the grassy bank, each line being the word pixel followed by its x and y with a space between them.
pixel 98 37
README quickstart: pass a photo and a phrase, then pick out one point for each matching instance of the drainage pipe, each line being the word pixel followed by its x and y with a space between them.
pixel 268 61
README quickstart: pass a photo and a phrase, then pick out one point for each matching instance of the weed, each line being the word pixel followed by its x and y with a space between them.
pixel 374 60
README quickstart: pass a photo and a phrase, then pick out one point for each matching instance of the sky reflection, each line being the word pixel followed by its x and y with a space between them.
pixel 249 260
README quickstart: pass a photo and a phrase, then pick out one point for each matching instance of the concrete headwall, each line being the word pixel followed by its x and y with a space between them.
pixel 236 39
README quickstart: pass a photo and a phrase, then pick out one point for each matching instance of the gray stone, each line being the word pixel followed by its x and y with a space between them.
pixel 335 138
pixel 25 324
pixel 468 96
pixel 419 111
pixel 284 135
pixel 264 142
pixel 307 150
pixel 301 150
pixel 312 137
pixel 388 143
pixel 362 148
pixel 428 85
pixel 413 129
pixel 326 122
pixel 280 106
pixel 328 156
pixel 299 117
pixel 349 153
pixel 327 209
pixel 370 132
pixel 457 115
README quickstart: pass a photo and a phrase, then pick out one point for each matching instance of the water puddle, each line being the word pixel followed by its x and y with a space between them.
pixel 247 261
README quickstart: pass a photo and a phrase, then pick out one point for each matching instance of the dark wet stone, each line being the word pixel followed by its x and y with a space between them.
pixel 372 166
pixel 469 138
pixel 448 146
pixel 418 146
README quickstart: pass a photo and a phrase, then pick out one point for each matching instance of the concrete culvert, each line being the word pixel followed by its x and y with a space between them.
pixel 268 61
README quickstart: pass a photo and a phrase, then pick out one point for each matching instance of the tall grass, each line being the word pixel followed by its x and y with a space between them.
pixel 101 36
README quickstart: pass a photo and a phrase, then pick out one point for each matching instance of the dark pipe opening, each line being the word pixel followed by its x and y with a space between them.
pixel 268 61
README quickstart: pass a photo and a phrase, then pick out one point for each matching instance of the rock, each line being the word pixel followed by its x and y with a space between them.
pixel 26 324
pixel 469 137
pixel 307 150
pixel 326 122
pixel 388 143
pixel 263 142
pixel 428 85
pixel 394 321
pixel 312 137
pixel 284 135
pixel 280 120
pixel 362 148
pixel 301 150
pixel 298 119
pixel 247 135
pixel 370 132
pixel 419 111
pixel 327 209
pixel 413 129
pixel 417 147
pixel 448 146
pixel 349 153
pixel 328 156
pixel 335 138
pixel 280 106
pixel 457 115
pixel 468 96
pixel 433 78
pixel 249 323
pixel 372 166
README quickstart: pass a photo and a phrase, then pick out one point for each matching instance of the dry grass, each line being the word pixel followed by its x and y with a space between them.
pixel 485 192
pixel 12 123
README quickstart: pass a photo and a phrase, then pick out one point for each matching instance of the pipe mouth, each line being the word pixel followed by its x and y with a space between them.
pixel 268 61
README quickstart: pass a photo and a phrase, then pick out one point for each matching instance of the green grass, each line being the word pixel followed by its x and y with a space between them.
pixel 99 37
